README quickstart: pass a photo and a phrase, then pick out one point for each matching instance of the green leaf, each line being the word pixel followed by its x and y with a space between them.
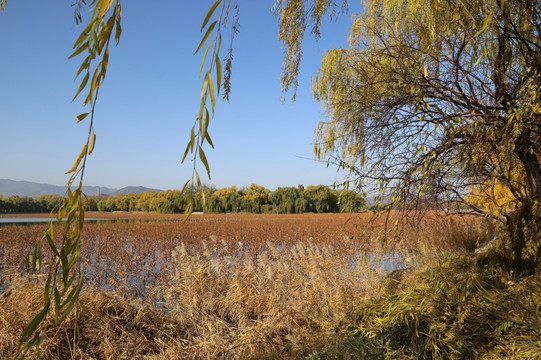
pixel 204 160
pixel 74 291
pixel 52 245
pixel 56 306
pixel 75 254
pixel 211 27
pixel 72 304
pixel 209 13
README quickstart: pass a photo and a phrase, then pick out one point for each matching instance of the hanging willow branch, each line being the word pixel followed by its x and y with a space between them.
pixel 65 274
pixel 210 90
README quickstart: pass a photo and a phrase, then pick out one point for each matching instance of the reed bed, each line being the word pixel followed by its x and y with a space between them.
pixel 221 286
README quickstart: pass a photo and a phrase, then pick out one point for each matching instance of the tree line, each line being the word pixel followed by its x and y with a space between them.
pixel 254 199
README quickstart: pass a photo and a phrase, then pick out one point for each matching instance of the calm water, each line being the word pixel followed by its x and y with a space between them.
pixel 35 220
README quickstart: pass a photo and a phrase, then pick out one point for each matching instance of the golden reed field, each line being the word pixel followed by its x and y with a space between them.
pixel 218 286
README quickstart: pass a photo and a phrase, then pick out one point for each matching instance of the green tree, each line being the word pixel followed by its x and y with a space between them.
pixel 284 199
pixel 229 198
pixel 320 198
pixel 49 202
pixel 349 201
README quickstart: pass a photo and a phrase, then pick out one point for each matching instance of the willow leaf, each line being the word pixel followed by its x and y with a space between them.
pixel 218 74
pixel 211 27
pixel 79 50
pixel 211 91
pixel 204 160
pixel 118 28
pixel 204 56
pixel 209 140
pixel 92 143
pixel 82 86
pixel 82 116
pixel 210 12
pixel 79 158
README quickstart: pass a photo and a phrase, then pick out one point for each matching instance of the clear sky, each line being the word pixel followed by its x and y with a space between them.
pixel 150 98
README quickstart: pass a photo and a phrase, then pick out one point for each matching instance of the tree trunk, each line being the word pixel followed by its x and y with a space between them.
pixel 519 247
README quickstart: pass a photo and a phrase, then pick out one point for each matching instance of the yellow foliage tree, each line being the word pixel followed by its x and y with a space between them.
pixel 498 195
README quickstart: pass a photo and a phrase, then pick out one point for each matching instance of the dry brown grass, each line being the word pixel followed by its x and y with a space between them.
pixel 275 285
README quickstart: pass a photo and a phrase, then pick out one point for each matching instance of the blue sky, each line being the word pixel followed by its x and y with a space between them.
pixel 150 98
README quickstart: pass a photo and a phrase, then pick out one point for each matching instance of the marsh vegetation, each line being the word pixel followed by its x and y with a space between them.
pixel 279 286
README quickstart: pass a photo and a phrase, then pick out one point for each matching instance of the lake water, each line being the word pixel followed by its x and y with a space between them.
pixel 37 220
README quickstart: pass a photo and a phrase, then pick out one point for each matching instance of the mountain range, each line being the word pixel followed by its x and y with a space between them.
pixel 32 189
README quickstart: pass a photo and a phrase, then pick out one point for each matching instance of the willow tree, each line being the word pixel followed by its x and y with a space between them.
pixel 433 98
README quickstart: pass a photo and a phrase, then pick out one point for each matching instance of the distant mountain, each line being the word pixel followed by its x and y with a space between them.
pixel 134 189
pixel 32 189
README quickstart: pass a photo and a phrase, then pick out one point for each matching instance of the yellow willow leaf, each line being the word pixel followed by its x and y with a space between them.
pixel 211 91
pixel 209 13
pixel 204 160
pixel 190 145
pixel 209 140
pixel 206 36
pixel 92 143
pixel 198 180
pixel 204 88
pixel 205 124
pixel 204 56
pixel 79 50
pixel 218 74
pixel 84 35
pixel 103 6
pixel 78 160
pixel 82 116
pixel 118 29
pixel 85 64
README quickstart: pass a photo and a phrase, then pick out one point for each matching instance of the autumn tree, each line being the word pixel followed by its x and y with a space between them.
pixel 436 97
